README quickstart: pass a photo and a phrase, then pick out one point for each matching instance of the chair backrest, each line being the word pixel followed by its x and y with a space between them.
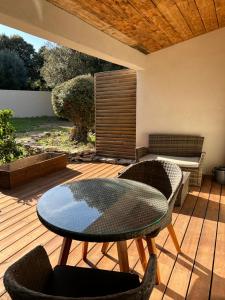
pixel 175 145
pixel 27 276
pixel 25 279
pixel 162 175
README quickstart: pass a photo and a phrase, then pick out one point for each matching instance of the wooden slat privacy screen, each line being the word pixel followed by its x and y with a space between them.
pixel 115 105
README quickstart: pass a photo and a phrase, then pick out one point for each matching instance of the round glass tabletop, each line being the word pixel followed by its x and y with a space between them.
pixel 102 210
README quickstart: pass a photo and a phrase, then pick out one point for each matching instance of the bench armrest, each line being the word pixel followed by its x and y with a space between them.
pixel 140 152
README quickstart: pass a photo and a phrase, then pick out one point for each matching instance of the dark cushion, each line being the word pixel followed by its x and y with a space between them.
pixel 71 281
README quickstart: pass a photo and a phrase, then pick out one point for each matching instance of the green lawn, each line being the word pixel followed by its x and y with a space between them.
pixel 59 133
pixel 23 125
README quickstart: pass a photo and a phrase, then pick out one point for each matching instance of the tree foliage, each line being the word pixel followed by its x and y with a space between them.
pixel 62 64
pixel 9 150
pixel 12 71
pixel 52 65
pixel 74 100
pixel 31 59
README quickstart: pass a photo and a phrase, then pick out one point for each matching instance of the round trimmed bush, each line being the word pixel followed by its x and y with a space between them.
pixel 74 100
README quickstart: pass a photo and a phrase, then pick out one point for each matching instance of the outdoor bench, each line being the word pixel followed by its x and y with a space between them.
pixel 184 150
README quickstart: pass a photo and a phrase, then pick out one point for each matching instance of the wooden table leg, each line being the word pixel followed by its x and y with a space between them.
pixel 64 252
pixel 141 252
pixel 105 247
pixel 85 250
pixel 123 256
pixel 152 250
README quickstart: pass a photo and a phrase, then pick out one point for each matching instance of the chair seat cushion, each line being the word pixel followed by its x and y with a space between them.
pixel 188 162
pixel 71 281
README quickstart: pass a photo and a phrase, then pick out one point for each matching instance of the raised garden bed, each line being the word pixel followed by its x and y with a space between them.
pixel 24 170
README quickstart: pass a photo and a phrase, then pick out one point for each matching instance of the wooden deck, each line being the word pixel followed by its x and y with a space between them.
pixel 199 273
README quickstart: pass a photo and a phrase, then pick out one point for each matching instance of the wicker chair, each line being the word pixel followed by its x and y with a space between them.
pixel 32 277
pixel 185 150
pixel 167 178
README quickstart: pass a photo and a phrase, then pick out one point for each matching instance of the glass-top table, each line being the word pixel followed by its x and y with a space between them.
pixel 101 210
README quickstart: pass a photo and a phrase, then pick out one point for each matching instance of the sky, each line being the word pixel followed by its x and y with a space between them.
pixel 35 41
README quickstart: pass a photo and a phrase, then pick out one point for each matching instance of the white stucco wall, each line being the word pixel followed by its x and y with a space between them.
pixel 27 103
pixel 183 91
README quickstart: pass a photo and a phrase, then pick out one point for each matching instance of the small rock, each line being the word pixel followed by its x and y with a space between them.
pixel 124 161
pixel 47 133
pixel 96 158
pixel 51 149
pixel 39 148
pixel 31 142
pixel 86 159
pixel 88 155
pixel 106 159
pixel 85 152
pixel 27 145
pixel 73 159
pixel 73 152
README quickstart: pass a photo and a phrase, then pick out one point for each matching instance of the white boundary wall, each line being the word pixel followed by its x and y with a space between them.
pixel 27 103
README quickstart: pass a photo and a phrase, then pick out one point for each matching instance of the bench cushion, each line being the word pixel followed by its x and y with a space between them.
pixel 187 162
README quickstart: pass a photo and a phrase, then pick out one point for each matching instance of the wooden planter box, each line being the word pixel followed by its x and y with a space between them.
pixel 23 170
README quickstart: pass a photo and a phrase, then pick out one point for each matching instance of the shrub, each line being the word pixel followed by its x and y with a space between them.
pixel 9 150
pixel 12 71
pixel 74 100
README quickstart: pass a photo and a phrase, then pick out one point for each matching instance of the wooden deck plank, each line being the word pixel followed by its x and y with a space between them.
pixel 168 254
pixel 199 225
pixel 20 207
pixel 218 286
pixel 37 185
pixel 183 265
pixel 40 185
pixel 33 187
pixel 200 282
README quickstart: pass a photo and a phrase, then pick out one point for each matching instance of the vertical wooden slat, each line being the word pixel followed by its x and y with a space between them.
pixel 115 105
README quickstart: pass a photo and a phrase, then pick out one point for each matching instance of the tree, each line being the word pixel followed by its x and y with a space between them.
pixel 62 64
pixel 74 100
pixel 39 83
pixel 9 150
pixel 26 52
pixel 59 65
pixel 12 71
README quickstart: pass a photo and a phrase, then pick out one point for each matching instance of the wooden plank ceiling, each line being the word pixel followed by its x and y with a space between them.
pixel 149 25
